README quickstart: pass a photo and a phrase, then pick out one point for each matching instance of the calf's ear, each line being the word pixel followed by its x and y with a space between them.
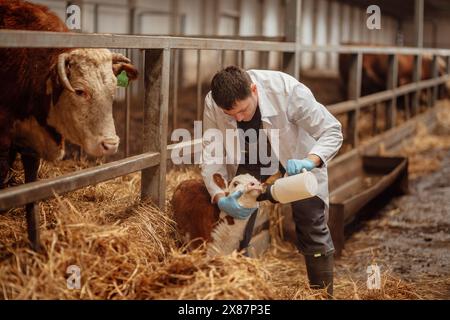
pixel 220 181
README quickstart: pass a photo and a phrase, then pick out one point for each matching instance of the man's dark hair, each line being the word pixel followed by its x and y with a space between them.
pixel 230 85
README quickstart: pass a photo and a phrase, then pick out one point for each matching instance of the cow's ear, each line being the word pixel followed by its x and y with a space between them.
pixel 220 181
pixel 131 71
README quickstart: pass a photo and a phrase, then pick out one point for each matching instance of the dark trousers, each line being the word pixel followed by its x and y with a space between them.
pixel 313 234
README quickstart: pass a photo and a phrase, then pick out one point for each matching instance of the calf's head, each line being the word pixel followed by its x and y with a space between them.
pixel 249 185
pixel 83 113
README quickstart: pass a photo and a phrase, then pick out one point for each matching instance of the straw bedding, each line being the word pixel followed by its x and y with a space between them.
pixel 129 250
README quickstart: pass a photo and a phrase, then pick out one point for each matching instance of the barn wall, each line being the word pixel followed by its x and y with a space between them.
pixel 322 22
pixel 433 37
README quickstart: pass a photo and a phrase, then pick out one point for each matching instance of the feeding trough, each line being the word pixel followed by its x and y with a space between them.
pixel 352 190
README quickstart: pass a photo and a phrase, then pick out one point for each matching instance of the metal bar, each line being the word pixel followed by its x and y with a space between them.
pixel 418 23
pixel 342 107
pixel 237 18
pixel 131 19
pixel 391 107
pixel 239 58
pixel 127 115
pixel 42 39
pixel 448 64
pixel 354 93
pixel 222 59
pixel 96 17
pixel 176 75
pixel 291 60
pixel 264 59
pixel 47 39
pixel 434 89
pixel 174 17
pixel 156 101
pixel 374 119
pixel 350 105
pixel 199 87
pixel 417 75
pixel 40 190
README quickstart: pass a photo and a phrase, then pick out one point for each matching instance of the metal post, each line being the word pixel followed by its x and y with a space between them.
pixel 240 58
pixel 199 86
pixel 418 39
pixel 354 92
pixel 127 114
pixel 447 60
pixel 174 17
pixel 291 61
pixel 418 23
pixel 264 60
pixel 156 103
pixel 176 79
pixel 222 59
pixel 417 75
pixel 96 17
pixel 434 74
pixel 391 106
pixel 131 17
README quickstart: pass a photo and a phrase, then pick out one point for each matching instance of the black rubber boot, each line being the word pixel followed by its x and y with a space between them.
pixel 320 272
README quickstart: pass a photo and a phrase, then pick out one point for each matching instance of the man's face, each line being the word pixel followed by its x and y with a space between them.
pixel 243 110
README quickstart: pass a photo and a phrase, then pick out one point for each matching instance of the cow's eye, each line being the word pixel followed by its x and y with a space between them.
pixel 79 92
pixel 235 184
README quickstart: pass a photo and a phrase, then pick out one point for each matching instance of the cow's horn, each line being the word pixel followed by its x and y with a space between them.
pixel 117 57
pixel 62 71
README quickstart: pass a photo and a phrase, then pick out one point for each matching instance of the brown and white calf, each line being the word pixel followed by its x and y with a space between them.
pixel 199 220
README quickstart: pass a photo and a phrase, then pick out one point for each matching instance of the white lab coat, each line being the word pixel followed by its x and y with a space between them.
pixel 305 126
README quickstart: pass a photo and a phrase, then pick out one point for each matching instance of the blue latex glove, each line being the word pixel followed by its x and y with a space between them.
pixel 230 205
pixel 295 166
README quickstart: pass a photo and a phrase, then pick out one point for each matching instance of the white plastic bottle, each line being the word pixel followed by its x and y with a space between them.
pixel 294 188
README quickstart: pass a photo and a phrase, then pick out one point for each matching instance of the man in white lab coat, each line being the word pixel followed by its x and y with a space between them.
pixel 300 133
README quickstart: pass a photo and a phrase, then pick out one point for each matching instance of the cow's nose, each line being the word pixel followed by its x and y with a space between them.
pixel 110 145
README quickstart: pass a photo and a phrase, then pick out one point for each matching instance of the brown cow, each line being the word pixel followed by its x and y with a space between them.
pixel 49 95
pixel 375 71
pixel 199 220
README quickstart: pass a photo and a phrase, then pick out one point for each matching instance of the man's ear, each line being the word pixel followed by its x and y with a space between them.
pixel 254 88
pixel 220 181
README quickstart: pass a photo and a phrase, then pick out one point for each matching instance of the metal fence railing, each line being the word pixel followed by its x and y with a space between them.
pixel 157 55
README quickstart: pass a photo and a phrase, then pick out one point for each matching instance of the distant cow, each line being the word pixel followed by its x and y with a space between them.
pixel 199 220
pixel 375 71
pixel 49 95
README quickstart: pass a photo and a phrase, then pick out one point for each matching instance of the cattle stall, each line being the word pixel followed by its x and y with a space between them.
pixel 157 54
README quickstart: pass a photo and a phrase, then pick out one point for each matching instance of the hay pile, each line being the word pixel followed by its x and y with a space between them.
pixel 128 250
pixel 426 150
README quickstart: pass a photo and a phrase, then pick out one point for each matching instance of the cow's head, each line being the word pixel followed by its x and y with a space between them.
pixel 83 113
pixel 250 186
